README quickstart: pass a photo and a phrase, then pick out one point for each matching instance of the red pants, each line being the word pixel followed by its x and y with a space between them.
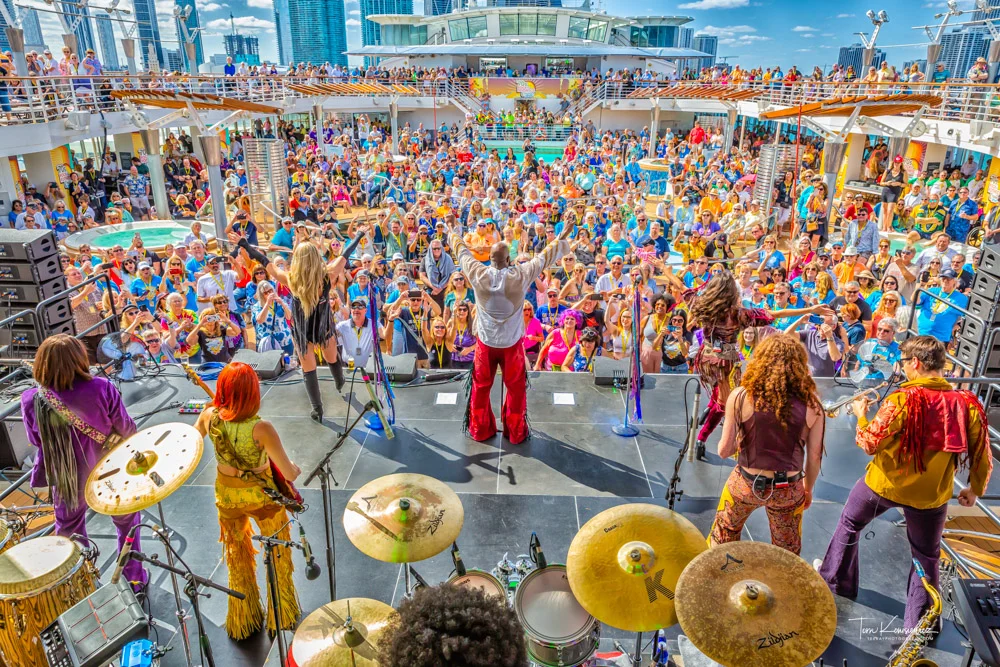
pixel 482 424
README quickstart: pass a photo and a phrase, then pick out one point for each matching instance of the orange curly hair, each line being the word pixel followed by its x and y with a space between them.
pixel 778 372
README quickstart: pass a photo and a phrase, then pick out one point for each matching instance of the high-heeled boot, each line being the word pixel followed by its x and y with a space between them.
pixel 315 398
pixel 337 371
pixel 699 451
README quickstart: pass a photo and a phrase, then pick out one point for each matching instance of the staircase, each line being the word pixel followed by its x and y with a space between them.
pixel 588 101
pixel 458 93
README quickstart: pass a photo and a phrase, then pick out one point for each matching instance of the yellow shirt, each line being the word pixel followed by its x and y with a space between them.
pixel 713 204
pixel 898 481
pixel 690 250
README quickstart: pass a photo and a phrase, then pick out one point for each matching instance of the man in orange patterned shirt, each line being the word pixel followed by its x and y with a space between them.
pixel 919 437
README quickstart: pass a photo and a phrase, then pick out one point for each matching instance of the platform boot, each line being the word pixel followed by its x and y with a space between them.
pixel 315 398
pixel 699 450
pixel 337 371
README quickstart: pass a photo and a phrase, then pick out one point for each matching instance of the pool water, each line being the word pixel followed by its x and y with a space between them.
pixel 155 237
pixel 549 151
pixel 154 233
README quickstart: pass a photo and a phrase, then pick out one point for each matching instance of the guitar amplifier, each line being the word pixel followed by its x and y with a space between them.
pixel 978 603
pixel 27 245
pixel 90 633
pixel 268 365
pixel 610 372
pixel 402 368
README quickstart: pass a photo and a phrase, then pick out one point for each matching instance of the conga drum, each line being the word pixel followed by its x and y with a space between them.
pixel 39 580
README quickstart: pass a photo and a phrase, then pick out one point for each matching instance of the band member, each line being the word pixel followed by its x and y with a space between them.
pixel 499 290
pixel 245 445
pixel 774 424
pixel 453 625
pixel 918 438
pixel 313 328
pixel 69 417
pixel 716 309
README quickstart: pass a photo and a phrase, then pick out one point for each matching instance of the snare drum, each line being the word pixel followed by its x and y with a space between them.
pixel 8 537
pixel 557 630
pixel 39 580
pixel 484 581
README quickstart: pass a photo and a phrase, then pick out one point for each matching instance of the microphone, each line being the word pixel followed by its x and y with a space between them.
pixel 312 569
pixel 123 558
pixel 535 548
pixel 377 406
pixel 456 558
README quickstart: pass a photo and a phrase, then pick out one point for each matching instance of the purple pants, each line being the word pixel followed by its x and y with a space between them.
pixel 715 414
pixel 69 522
pixel 923 530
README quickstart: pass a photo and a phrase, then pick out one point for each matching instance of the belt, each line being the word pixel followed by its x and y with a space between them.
pixel 759 481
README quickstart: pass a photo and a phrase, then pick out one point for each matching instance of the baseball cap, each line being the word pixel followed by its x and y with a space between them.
pixel 367 257
pixel 948 273
pixel 402 279
pixel 850 250
pixel 359 302
pixel 212 259
pixel 397 256
pixel 552 290
pixel 836 244
pixel 897 159
pixel 144 265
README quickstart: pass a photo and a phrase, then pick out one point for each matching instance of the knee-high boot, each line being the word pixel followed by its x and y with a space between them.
pixel 337 371
pixel 315 398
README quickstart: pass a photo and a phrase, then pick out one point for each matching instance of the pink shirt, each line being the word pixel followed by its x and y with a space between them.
pixel 533 328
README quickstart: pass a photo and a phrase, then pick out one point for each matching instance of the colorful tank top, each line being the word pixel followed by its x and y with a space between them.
pixel 234 443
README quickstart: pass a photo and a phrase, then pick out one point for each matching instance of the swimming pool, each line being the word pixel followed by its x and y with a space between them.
pixel 547 151
pixel 155 235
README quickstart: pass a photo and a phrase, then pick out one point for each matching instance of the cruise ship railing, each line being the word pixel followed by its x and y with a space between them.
pixel 520 132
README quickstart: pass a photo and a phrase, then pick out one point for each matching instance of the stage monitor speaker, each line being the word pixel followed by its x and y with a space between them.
pixel 27 245
pixel 268 365
pixel 14 445
pixel 968 352
pixel 991 260
pixel 37 271
pixel 30 295
pixel 401 369
pixel 986 286
pixel 610 372
pixel 985 308
pixel 28 339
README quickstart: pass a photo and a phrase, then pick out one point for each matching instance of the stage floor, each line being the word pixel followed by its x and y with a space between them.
pixel 573 467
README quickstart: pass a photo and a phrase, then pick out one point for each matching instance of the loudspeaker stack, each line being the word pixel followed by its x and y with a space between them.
pixel 30 272
pixel 983 303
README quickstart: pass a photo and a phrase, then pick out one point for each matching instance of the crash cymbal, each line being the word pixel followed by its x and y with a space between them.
pixel 344 632
pixel 403 518
pixel 751 604
pixel 144 469
pixel 624 563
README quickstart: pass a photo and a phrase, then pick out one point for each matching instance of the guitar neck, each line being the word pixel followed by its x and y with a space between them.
pixel 198 381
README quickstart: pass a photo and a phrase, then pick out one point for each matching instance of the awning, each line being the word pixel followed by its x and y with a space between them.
pixel 169 99
pixel 871 106
pixel 697 92
pixel 354 89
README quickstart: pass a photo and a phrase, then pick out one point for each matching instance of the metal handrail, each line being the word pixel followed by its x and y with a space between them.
pixel 8 322
pixel 108 286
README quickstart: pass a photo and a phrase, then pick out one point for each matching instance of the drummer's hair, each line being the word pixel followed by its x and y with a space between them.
pixel 60 361
pixel 453 625
pixel 237 392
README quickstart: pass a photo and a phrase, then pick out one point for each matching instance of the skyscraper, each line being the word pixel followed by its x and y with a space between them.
pixel 106 35
pixel 243 48
pixel 992 14
pixel 439 7
pixel 9 4
pixel 149 31
pixel 960 48
pixel 370 31
pixel 282 26
pixel 33 38
pixel 83 31
pixel 854 56
pixel 175 62
pixel 319 34
pixel 193 22
pixel 706 44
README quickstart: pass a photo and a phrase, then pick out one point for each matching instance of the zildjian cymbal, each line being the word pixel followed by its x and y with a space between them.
pixel 144 469
pixel 752 604
pixel 624 563
pixel 342 633
pixel 403 518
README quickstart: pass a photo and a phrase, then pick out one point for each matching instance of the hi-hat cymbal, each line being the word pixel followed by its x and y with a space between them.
pixel 624 563
pixel 144 469
pixel 751 604
pixel 342 633
pixel 403 518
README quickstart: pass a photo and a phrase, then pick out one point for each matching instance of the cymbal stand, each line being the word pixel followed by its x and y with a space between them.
pixel 269 543
pixel 634 659
pixel 182 618
pixel 322 470
pixel 687 450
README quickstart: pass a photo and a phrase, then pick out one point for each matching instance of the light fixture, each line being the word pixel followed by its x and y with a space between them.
pixel 883 17
pixel 871 15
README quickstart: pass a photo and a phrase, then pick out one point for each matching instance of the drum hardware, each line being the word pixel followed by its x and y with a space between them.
pixel 557 629
pixel 322 470
pixel 141 472
pixel 755 605
pixel 511 574
pixel 342 632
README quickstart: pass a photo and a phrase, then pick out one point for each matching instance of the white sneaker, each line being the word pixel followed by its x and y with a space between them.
pixel 817 563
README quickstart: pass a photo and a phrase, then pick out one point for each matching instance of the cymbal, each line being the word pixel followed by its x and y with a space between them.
pixel 344 632
pixel 403 518
pixel 144 469
pixel 624 563
pixel 750 604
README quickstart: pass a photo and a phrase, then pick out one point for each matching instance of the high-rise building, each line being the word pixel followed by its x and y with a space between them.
pixel 527 3
pixel 319 34
pixel 961 46
pixel 921 64
pixel 283 28
pixel 193 23
pixel 83 31
pixel 33 38
pixel 106 35
pixel 149 32
pixel 370 31
pixel 854 56
pixel 706 44
pixel 9 4
pixel 243 49
pixel 990 14
pixel 175 63
pixel 439 7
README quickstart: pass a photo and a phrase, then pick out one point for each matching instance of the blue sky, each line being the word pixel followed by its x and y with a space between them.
pixel 753 32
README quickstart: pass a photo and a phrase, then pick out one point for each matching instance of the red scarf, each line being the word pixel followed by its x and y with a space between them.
pixel 937 420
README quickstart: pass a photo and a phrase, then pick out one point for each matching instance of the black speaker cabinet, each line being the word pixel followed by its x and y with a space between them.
pixel 991 260
pixel 985 308
pixel 610 372
pixel 402 368
pixel 27 245
pixel 986 286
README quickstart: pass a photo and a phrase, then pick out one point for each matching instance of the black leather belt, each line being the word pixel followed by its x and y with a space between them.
pixel 763 483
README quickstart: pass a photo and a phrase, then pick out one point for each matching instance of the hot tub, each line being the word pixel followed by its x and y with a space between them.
pixel 155 234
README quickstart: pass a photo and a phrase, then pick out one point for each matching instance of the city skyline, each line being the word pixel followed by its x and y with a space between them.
pixel 750 32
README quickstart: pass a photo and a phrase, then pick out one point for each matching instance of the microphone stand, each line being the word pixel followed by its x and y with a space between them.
pixel 322 470
pixel 269 543
pixel 191 591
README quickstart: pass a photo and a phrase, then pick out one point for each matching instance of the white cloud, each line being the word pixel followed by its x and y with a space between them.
pixel 809 35
pixel 261 4
pixel 354 12
pixel 803 50
pixel 828 34
pixel 804 28
pixel 845 16
pixel 352 22
pixel 248 23
pixel 734 35
pixel 211 7
pixel 714 4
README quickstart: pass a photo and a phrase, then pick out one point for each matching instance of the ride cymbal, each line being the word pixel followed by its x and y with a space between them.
pixel 752 604
pixel 624 563
pixel 342 633
pixel 144 469
pixel 403 518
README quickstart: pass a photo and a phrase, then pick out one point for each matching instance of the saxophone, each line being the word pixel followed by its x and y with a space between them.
pixel 908 654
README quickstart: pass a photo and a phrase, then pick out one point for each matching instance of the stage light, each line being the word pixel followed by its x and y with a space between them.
pixel 883 17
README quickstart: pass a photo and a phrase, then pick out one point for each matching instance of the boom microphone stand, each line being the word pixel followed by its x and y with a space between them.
pixel 687 450
pixel 322 470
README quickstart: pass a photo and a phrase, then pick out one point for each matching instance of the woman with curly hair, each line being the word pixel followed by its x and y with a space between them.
pixel 453 625
pixel 715 307
pixel 559 341
pixel 774 425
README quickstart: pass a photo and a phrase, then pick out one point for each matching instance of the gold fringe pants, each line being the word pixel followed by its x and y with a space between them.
pixel 238 501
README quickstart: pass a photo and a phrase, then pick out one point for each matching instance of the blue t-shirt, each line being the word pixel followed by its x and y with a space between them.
pixel 936 318
pixel 191 298
pixel 145 293
pixel 549 316
pixel 284 238
pixel 61 220
pixel 194 265
pixel 775 260
pixel 616 248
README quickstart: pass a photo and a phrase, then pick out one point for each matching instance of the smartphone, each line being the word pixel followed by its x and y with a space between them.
pixel 415 294
pixel 595 297
pixel 212 318
pixel 899 253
